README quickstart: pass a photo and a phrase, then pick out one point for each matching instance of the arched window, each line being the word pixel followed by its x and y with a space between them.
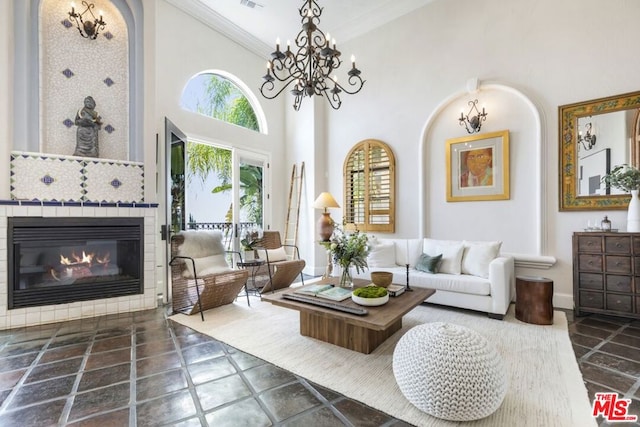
pixel 369 187
pixel 220 96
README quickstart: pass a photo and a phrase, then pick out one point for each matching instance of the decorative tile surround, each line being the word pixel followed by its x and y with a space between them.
pixel 47 177
pixel 61 312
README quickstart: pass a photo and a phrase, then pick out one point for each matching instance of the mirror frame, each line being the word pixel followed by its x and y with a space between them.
pixel 568 142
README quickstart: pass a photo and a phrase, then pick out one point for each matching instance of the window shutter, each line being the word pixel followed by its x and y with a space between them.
pixel 369 187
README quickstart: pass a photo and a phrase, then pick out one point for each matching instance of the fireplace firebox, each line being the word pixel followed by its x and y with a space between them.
pixel 62 260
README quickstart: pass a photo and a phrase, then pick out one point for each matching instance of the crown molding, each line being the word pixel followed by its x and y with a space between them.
pixel 214 20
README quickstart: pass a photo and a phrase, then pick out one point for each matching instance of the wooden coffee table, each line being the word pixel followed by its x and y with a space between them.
pixel 358 333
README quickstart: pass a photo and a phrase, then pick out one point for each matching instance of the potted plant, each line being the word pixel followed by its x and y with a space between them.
pixel 250 239
pixel 627 178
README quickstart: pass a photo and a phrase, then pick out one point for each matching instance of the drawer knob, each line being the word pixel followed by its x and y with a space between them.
pixel 618 245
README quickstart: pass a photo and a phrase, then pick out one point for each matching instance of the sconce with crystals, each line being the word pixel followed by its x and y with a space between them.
pixel 88 28
pixel 474 118
pixel 588 140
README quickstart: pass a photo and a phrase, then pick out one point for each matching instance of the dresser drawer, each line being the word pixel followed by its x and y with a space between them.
pixel 617 244
pixel 591 281
pixel 618 283
pixel 618 264
pixel 591 299
pixel 622 303
pixel 590 262
pixel 589 244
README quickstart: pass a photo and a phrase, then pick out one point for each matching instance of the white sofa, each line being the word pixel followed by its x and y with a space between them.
pixel 470 275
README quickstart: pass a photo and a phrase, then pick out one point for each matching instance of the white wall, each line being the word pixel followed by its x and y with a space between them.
pixel 552 52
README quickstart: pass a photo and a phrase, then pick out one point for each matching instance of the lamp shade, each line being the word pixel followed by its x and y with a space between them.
pixel 325 200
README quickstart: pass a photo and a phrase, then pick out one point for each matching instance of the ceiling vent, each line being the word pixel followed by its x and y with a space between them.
pixel 250 4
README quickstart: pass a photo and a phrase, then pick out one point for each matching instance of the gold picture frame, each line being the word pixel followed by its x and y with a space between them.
pixel 569 145
pixel 478 167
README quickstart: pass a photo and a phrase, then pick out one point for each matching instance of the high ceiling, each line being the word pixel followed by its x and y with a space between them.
pixel 257 23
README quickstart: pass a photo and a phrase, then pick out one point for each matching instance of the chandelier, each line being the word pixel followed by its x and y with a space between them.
pixel 308 70
pixel 88 28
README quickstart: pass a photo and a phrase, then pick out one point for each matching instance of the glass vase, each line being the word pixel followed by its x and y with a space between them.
pixel 346 281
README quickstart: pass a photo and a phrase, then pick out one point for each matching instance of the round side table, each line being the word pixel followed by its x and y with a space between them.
pixel 534 300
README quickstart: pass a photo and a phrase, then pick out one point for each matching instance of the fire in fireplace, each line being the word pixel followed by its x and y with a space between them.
pixel 61 260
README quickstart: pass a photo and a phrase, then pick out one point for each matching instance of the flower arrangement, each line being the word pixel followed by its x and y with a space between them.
pixel 348 250
pixel 623 177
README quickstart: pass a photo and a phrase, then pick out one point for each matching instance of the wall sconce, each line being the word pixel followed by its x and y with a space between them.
pixel 90 28
pixel 474 118
pixel 588 141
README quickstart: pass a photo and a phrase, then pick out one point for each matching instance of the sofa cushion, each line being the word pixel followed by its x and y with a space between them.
pixel 428 264
pixel 382 254
pixel 451 251
pixel 477 257
pixel 462 283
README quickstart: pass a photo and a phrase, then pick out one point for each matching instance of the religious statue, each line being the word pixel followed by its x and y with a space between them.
pixel 89 123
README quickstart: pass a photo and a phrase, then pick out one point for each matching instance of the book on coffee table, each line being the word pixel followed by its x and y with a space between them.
pixel 395 290
pixel 331 292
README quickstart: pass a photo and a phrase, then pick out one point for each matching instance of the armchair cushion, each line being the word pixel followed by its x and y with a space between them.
pixel 201 243
pixel 278 254
pixel 207 251
pixel 205 266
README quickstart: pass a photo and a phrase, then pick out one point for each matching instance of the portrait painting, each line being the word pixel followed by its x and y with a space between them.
pixel 478 167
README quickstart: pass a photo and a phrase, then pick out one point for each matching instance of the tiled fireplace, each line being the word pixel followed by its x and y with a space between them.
pixel 107 193
pixel 64 260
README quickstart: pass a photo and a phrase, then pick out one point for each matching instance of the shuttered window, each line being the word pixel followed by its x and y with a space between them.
pixel 369 187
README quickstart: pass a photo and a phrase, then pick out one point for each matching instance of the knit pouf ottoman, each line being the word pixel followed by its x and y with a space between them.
pixel 449 372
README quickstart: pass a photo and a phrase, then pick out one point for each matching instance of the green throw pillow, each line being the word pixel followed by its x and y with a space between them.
pixel 428 264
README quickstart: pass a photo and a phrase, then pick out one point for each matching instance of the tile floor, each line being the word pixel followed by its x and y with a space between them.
pixel 608 353
pixel 141 369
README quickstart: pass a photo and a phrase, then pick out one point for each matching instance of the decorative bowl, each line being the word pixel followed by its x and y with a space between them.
pixel 381 278
pixel 371 302
pixel 369 296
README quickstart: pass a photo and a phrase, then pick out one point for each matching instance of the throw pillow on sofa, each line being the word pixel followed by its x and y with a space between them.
pixel 428 264
pixel 451 251
pixel 382 254
pixel 477 257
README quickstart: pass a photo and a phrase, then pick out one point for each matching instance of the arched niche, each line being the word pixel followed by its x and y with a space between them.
pixel 37 112
pixel 519 221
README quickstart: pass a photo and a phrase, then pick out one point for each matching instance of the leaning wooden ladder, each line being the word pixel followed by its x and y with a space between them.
pixel 293 209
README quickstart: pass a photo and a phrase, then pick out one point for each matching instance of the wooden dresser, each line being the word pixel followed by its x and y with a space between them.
pixel 606 273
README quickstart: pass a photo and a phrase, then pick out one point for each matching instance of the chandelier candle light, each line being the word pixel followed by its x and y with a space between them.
pixel 309 69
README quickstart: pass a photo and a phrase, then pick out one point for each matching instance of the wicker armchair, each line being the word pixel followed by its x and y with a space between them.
pixel 198 257
pixel 282 268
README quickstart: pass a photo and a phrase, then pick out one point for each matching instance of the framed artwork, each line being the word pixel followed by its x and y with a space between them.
pixel 478 167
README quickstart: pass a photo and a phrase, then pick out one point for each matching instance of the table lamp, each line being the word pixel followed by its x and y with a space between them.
pixel 325 223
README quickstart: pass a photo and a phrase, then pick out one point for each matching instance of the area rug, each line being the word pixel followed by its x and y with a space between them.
pixel 545 384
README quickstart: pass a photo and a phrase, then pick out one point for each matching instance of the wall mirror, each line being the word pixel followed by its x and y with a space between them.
pixel 594 137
